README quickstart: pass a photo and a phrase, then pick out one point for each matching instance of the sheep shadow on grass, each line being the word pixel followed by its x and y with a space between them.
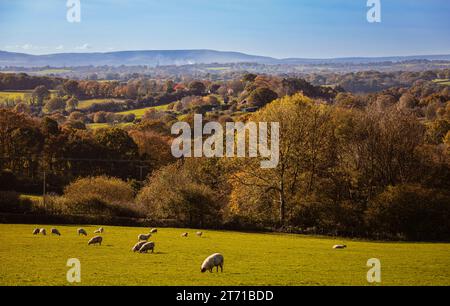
pixel 154 253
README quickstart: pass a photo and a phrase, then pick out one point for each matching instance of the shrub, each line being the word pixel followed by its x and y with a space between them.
pixel 98 195
pixel 173 194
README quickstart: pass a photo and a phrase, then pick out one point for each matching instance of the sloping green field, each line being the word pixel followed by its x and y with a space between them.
pixel 12 95
pixel 139 113
pixel 445 82
pixel 83 104
pixel 250 259
pixel 96 126
pixel 23 95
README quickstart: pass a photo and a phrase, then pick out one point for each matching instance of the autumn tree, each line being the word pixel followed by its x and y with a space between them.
pixel 39 95
pixel 305 146
pixel 261 96
pixel 55 104
pixel 175 192
pixel 197 88
pixel 72 104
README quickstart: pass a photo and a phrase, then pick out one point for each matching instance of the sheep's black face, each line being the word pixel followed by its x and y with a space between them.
pixel 203 270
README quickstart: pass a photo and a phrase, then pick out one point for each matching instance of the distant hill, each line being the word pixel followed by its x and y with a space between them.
pixel 178 57
pixel 129 58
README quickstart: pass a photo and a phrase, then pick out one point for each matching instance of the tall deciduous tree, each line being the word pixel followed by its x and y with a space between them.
pixel 40 94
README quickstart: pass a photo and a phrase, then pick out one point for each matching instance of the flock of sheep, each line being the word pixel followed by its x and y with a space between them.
pixel 143 245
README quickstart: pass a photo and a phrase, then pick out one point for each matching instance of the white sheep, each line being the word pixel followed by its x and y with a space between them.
pixel 144 237
pixel 36 231
pixel 138 246
pixel 54 231
pixel 81 231
pixel 215 260
pixel 339 246
pixel 184 235
pixel 99 231
pixel 147 247
pixel 43 231
pixel 199 234
pixel 96 240
pixel 154 230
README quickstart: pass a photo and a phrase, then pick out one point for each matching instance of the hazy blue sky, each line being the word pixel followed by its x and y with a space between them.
pixel 279 28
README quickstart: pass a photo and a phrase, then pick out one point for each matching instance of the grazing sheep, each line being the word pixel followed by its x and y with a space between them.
pixel 43 231
pixel 81 231
pixel 54 231
pixel 96 240
pixel 339 246
pixel 147 247
pixel 99 231
pixel 138 246
pixel 144 237
pixel 154 231
pixel 215 260
pixel 36 231
pixel 184 235
pixel 200 234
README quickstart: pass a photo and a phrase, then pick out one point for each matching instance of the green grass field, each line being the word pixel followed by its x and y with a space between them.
pixel 139 113
pixel 52 71
pixel 445 82
pixel 15 94
pixel 88 103
pixel 218 68
pixel 250 259
pixel 10 97
pixel 23 95
pixel 96 126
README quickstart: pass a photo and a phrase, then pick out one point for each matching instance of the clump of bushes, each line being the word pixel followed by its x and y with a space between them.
pixel 172 193
pixel 96 196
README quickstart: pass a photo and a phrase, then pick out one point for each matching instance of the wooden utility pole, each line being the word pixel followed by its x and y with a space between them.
pixel 43 192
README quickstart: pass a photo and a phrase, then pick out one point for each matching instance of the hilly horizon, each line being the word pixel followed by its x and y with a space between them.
pixel 181 57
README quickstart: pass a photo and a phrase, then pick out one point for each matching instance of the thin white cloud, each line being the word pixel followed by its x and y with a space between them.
pixel 60 47
pixel 27 47
pixel 84 47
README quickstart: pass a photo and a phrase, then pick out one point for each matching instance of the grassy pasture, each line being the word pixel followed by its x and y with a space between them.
pixel 96 126
pixel 23 95
pixel 15 94
pixel 52 71
pixel 445 82
pixel 139 113
pixel 10 97
pixel 218 68
pixel 83 104
pixel 250 259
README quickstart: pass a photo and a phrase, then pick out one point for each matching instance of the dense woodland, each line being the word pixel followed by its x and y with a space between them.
pixel 362 154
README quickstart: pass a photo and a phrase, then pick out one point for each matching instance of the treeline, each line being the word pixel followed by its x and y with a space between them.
pixel 31 147
pixel 362 172
pixel 22 81
pixel 375 81
pixel 251 91
pixel 374 165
